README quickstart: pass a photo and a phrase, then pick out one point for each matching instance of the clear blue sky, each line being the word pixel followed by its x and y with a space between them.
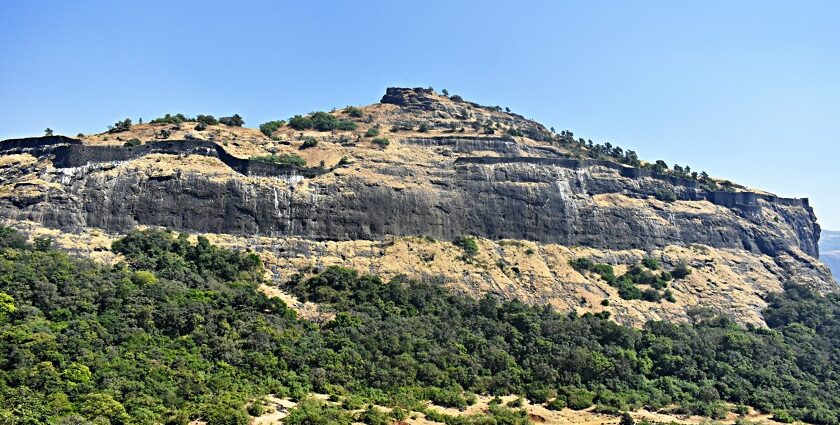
pixel 746 90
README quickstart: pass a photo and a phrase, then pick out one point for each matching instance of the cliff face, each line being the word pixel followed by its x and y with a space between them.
pixel 441 181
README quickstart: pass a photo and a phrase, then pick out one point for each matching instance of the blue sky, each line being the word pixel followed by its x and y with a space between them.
pixel 746 90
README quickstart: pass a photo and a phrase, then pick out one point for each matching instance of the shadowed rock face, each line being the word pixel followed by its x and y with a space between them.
pixel 528 201
pixel 523 191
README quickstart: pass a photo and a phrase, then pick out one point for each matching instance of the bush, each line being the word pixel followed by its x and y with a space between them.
pixel 170 119
pixel 666 195
pixel 558 403
pixel 651 263
pixel 290 159
pixel 309 142
pixel 234 121
pixel 581 264
pixel 372 132
pixel 320 121
pixel 468 244
pixel 628 291
pixel 268 128
pixel 782 416
pixel 374 416
pixel 423 128
pixel 651 295
pixel 517 402
pixel 163 134
pixel 579 399
pixel 120 126
pixel 353 111
pixel 382 142
pixel 207 120
pixel 132 143
pixel 680 271
pixel 312 412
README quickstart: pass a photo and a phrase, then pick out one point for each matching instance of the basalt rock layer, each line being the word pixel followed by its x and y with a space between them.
pixel 446 178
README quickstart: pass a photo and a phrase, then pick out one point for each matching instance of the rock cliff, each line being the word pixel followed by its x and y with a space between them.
pixel 450 168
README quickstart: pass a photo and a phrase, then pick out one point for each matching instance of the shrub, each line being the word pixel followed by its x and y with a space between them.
pixel 558 403
pixel 666 195
pixel 517 402
pixel 628 291
pixel 626 419
pixel 207 120
pixel 290 159
pixel 313 412
pixel 170 119
pixel 120 126
pixel 353 111
pixel 309 142
pixel 423 128
pixel 132 143
pixel 320 121
pixel 468 244
pixel 605 302
pixel 256 408
pixel 651 263
pixel 233 121
pixel 782 416
pixel 669 296
pixel 651 295
pixel 163 134
pixel 200 127
pixel 680 271
pixel 374 416
pixel 606 272
pixel 372 132
pixel 581 264
pixel 579 399
pixel 268 128
pixel 382 142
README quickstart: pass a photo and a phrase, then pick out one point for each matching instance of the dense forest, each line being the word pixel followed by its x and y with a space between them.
pixel 179 331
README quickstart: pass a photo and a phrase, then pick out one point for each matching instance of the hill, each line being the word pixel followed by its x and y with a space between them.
pixel 425 185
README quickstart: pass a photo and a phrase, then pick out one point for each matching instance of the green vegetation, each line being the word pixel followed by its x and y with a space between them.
pixel 372 132
pixel 171 119
pixel 290 159
pixel 640 274
pixel 132 143
pixel 468 244
pixel 320 121
pixel 309 142
pixel 120 126
pixel 353 111
pixel 382 142
pixel 207 120
pixel 48 132
pixel 179 331
pixel 234 121
pixel 268 128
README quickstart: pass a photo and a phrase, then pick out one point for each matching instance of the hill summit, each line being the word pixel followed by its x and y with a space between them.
pixel 428 185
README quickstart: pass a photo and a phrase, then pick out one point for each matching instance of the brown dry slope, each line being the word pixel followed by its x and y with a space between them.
pixel 534 200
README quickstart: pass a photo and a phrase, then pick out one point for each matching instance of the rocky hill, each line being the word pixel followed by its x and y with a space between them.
pixel 386 188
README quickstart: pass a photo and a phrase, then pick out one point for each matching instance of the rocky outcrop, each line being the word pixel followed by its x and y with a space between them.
pixel 543 202
pixel 439 183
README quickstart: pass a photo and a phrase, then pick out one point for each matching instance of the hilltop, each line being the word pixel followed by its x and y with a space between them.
pixel 535 214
